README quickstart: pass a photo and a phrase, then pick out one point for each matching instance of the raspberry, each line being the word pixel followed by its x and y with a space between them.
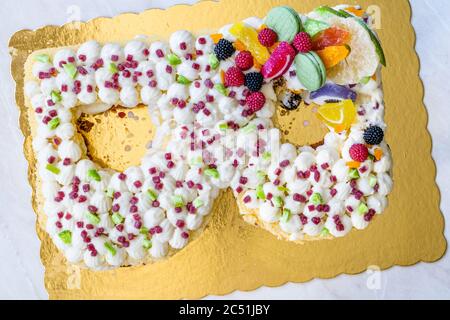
pixel 267 37
pixel 234 77
pixel 359 152
pixel 255 101
pixel 244 60
pixel 254 81
pixel 373 135
pixel 302 42
pixel 224 49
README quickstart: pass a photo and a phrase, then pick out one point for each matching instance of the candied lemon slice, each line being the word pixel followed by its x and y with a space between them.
pixel 249 37
pixel 339 116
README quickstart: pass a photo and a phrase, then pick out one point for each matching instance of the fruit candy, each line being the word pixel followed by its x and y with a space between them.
pixel 339 116
pixel 331 56
pixel 333 36
pixel 279 62
pixel 249 37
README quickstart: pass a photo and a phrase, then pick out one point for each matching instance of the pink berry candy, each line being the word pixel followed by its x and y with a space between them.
pixel 279 62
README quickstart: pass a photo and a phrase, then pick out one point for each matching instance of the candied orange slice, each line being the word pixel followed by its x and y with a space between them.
pixel 339 116
pixel 239 46
pixel 333 36
pixel 249 37
pixel 331 56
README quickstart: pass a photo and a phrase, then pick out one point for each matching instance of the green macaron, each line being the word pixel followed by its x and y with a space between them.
pixel 310 70
pixel 285 21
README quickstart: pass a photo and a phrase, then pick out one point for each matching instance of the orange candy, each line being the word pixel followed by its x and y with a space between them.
pixel 216 37
pixel 378 154
pixel 333 36
pixel 353 164
pixel 239 46
pixel 331 56
pixel 356 12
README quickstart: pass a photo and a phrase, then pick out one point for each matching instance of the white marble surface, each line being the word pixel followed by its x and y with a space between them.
pixel 21 272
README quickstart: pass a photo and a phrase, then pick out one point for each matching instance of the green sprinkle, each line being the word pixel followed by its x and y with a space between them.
pixel 267 155
pixel 354 173
pixel 316 199
pixel 363 208
pixel 65 236
pixel 213 173
pixel 286 215
pixel 147 244
pixel 196 161
pixel 325 232
pixel 93 174
pixel 251 127
pixel 177 201
pixel 110 248
pixel 372 180
pixel 93 218
pixel 143 231
pixel 71 70
pixel 55 96
pixel 284 189
pixel 221 89
pixel 365 80
pixel 52 168
pixel 261 174
pixel 198 203
pixel 173 59
pixel 260 192
pixel 54 123
pixel 44 58
pixel 152 194
pixel 223 126
pixel 183 80
pixel 113 68
pixel 109 192
pixel 278 201
pixel 213 61
pixel 117 218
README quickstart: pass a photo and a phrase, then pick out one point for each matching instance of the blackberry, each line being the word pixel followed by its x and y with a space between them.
pixel 373 135
pixel 290 101
pixel 254 81
pixel 224 49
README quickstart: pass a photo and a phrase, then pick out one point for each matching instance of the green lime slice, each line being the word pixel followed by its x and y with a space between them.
pixel 52 168
pixel 313 27
pixel 53 124
pixel 110 248
pixel 285 22
pixel 71 70
pixel 325 10
pixel 93 175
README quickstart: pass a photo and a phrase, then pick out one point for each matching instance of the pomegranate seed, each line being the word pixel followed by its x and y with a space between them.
pixel 134 200
pixel 86 187
pixel 82 199
pixel 116 207
pixel 316 220
pixel 183 46
pixel 80 224
pixel 333 192
pixel 159 53
pixel 169 69
pixel 284 163
pixel 122 176
pixel 185 235
pixel 117 195
pixel 82 57
pixel 180 224
pixel 178 210
pixel 137 184
pixel 247 199
pixel 153 83
pixel 133 209
pixel 155 204
pixel 239 189
pixel 170 164
pixel 67 161
pixel 137 224
pixel 89 226
pixel 51 159
pixel 146 52
pixel 92 208
pixel 243 180
pixel 120 227
pixel 299 198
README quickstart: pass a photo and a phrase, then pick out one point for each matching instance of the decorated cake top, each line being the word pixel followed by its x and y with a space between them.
pixel 212 98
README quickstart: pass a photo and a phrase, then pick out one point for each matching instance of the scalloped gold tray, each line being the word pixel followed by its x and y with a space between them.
pixel 230 254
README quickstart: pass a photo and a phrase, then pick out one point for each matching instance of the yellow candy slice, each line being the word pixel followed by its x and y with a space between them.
pixel 339 116
pixel 249 37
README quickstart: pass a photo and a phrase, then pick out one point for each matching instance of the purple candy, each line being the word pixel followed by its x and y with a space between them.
pixel 334 91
